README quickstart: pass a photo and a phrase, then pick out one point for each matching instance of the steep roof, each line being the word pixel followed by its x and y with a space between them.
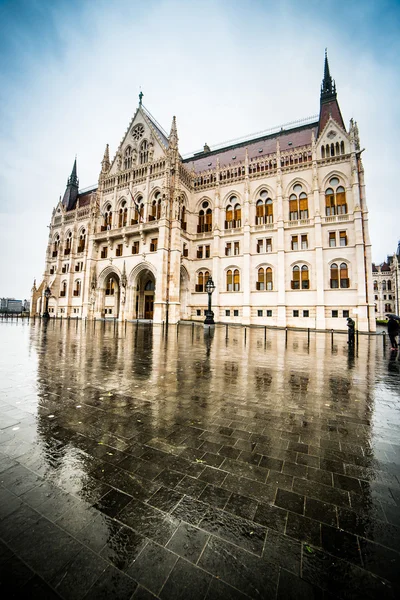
pixel 256 147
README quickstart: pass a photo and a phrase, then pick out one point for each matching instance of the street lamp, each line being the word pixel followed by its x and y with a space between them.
pixel 47 294
pixel 210 287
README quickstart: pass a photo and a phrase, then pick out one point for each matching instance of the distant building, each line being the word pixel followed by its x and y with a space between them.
pixel 278 220
pixel 385 280
pixel 10 305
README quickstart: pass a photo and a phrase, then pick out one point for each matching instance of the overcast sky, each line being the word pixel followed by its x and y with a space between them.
pixel 71 71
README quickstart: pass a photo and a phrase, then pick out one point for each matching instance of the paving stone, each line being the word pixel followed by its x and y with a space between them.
pixel 188 542
pixel 152 567
pixel 185 581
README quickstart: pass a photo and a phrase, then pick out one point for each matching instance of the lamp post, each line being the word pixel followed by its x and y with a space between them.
pixel 210 287
pixel 47 294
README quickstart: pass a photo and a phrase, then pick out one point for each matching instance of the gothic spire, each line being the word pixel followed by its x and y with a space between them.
pixel 71 192
pixel 328 87
pixel 105 163
pixel 329 106
pixel 173 136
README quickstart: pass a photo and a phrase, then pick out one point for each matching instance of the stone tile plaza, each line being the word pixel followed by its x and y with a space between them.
pixel 140 461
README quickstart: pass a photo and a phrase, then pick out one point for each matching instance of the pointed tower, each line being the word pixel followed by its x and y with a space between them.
pixel 105 163
pixel 72 189
pixel 173 136
pixel 328 103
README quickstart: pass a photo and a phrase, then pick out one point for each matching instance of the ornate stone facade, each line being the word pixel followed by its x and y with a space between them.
pixel 279 221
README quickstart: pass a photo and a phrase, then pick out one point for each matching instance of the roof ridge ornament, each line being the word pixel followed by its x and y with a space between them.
pixel 140 97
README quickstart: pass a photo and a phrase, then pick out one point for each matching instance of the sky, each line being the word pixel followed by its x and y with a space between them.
pixel 71 71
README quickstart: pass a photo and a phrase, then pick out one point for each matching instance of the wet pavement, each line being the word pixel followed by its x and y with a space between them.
pixel 135 464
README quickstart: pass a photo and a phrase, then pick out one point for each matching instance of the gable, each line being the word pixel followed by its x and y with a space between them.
pixel 333 137
pixel 143 129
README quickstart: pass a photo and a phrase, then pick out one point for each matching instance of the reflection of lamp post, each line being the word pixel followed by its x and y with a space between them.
pixel 210 287
pixel 47 294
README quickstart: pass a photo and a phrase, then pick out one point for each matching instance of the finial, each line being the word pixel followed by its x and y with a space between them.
pixel 140 97
pixel 173 136
pixel 105 163
pixel 328 87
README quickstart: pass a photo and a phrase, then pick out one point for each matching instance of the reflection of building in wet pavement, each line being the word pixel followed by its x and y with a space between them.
pixel 210 456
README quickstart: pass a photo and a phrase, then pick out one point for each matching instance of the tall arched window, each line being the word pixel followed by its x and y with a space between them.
pixel 233 214
pixel 375 286
pixel 82 241
pixel 144 152
pixel 56 245
pixel 264 209
pixel 138 211
pixel 202 278
pixel 300 278
pixel 335 198
pixel 63 289
pixel 110 289
pixel 77 290
pixel 298 203
pixel 156 207
pixel 205 218
pixel 183 218
pixel 123 215
pixel 233 280
pixel 68 243
pixel 389 285
pixel 339 276
pixel 383 286
pixel 128 158
pixel 264 280
pixel 107 218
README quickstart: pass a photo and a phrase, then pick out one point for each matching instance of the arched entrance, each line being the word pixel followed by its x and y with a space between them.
pixel 145 295
pixel 112 293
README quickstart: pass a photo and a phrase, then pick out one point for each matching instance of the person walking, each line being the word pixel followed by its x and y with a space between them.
pixel 393 331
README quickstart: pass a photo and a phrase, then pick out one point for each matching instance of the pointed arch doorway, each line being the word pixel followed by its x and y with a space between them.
pixel 145 295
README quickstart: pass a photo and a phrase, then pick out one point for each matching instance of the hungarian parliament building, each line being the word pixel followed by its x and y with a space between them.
pixel 277 220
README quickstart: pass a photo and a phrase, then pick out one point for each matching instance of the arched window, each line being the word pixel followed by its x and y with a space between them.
pixel 183 218
pixel 68 243
pixel 322 152
pixel 339 276
pixel 82 241
pixel 233 214
pixel 156 208
pixel 56 245
pixel 123 215
pixel 344 276
pixel 298 204
pixel 107 218
pixel 77 290
pixel 383 286
pixel 202 278
pixel 264 209
pixel 128 158
pixel 110 289
pixel 300 278
pixel 144 152
pixel 233 280
pixel 264 281
pixel 205 218
pixel 137 211
pixel 341 147
pixel 335 199
pixel 63 289
pixel 149 286
pixel 375 286
pixel 389 285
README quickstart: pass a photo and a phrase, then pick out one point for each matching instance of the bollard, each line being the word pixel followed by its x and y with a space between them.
pixel 332 337
pixel 125 324
pixel 177 329
pixel 357 338
pixel 245 335
pixel 265 333
pixel 94 323
pixel 308 335
pixel 85 322
pixel 76 328
pixel 226 332
pixel 192 329
pixel 286 332
pixel 384 339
